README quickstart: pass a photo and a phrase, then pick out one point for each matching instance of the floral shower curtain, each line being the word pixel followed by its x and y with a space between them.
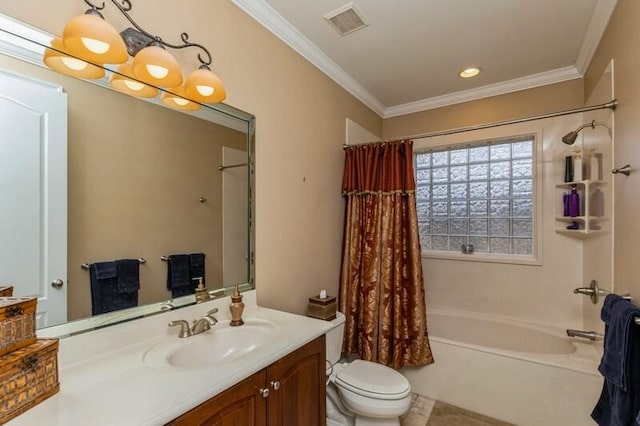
pixel 381 284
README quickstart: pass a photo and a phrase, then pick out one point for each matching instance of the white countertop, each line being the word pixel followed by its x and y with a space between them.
pixel 104 381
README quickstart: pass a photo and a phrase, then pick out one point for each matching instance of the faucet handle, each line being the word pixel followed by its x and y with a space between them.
pixel 209 315
pixel 185 331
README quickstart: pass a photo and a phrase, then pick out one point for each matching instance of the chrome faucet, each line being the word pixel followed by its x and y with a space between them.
pixel 591 335
pixel 204 323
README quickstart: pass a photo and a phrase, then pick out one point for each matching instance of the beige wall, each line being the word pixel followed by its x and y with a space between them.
pixel 136 172
pixel 300 118
pixel 540 100
pixel 620 43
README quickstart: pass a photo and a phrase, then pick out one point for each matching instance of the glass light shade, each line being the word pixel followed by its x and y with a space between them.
pixel 127 84
pixel 202 85
pixel 93 39
pixel 157 67
pixel 176 100
pixel 64 64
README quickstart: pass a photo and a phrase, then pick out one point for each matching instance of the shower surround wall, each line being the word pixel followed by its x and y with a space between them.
pixel 598 249
pixel 540 294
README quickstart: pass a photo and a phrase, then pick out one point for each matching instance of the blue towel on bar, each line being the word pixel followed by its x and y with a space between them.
pixel 128 275
pixel 619 401
pixel 105 270
pixel 179 275
pixel 196 267
pixel 105 294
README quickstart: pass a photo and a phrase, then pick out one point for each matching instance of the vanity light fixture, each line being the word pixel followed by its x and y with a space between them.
pixel 125 82
pixel 91 39
pixel 469 72
pixel 204 86
pixel 176 98
pixel 55 59
pixel 154 65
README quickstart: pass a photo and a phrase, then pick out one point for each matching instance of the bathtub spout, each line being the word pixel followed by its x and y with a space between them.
pixel 591 335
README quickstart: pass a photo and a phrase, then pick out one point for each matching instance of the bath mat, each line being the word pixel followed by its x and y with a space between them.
pixel 448 415
pixel 418 414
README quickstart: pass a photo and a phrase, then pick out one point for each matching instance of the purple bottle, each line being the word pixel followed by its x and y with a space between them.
pixel 574 202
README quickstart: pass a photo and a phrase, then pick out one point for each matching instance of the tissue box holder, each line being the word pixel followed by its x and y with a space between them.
pixel 17 323
pixel 324 309
pixel 28 376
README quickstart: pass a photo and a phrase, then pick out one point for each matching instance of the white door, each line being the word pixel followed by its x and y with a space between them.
pixel 33 194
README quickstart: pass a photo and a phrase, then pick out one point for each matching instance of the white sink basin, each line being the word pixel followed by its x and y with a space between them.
pixel 221 344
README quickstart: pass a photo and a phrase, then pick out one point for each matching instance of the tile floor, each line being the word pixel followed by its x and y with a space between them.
pixel 427 412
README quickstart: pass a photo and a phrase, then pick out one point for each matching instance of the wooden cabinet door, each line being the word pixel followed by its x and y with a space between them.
pixel 297 387
pixel 240 405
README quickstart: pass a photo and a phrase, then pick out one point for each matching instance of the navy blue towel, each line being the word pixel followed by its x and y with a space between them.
pixel 105 270
pixel 182 271
pixel 619 401
pixel 179 276
pixel 105 296
pixel 196 264
pixel 128 275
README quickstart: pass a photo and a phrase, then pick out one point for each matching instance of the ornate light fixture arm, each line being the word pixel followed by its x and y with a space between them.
pixel 125 6
pixel 93 41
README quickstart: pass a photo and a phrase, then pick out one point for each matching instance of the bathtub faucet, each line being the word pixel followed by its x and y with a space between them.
pixel 591 335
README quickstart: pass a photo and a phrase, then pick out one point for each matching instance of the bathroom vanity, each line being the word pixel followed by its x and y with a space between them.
pixel 270 371
pixel 291 391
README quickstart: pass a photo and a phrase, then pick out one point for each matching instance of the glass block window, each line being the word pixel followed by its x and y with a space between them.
pixel 479 194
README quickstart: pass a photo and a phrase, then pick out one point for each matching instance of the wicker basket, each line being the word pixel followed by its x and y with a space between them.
pixel 17 323
pixel 6 291
pixel 28 376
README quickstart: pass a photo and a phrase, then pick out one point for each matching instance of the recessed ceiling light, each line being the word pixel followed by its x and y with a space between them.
pixel 469 72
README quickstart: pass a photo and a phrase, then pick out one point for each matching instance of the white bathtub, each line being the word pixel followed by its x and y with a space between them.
pixel 516 372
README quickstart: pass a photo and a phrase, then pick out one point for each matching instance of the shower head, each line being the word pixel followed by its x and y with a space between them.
pixel 570 137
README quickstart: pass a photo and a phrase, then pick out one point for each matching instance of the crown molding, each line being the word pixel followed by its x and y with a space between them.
pixel 535 80
pixel 597 26
pixel 281 28
pixel 265 15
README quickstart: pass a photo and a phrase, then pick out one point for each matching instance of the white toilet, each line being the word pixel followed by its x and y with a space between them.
pixel 362 393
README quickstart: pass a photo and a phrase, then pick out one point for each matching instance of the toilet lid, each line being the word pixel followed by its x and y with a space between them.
pixel 376 380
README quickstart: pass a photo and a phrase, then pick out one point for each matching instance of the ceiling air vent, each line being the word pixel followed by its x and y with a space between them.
pixel 346 19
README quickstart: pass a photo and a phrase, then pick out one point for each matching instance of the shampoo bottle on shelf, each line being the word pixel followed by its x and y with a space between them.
pixel 568 169
pixel 596 203
pixel 565 204
pixel 574 202
pixel 595 166
pixel 577 167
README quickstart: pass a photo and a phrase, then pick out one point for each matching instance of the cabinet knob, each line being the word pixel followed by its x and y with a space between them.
pixel 275 385
pixel 57 283
pixel 264 392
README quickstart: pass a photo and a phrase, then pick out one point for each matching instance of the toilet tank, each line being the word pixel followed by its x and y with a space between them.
pixel 334 338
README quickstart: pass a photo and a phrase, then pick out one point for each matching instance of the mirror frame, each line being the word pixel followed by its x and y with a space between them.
pixel 26 43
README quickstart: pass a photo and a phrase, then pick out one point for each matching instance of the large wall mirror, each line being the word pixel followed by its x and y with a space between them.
pixel 143 181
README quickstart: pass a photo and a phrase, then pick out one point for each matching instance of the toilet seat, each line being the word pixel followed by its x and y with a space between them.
pixel 372 380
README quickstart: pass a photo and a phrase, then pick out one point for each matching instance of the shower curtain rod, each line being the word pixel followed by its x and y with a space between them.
pixel 612 104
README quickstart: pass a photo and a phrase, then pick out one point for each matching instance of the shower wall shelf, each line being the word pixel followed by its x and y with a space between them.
pixel 592 205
